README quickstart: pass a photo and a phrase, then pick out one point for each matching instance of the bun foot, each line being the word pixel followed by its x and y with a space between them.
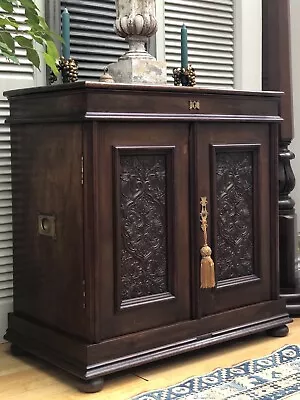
pixel 17 351
pixel 91 386
pixel 279 331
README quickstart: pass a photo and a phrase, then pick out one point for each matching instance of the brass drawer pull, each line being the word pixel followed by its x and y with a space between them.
pixel 207 266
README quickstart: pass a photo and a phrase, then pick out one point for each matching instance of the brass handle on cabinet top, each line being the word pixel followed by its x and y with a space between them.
pixel 46 225
pixel 207 266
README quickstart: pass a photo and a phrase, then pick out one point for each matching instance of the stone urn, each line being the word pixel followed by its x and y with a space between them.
pixel 136 22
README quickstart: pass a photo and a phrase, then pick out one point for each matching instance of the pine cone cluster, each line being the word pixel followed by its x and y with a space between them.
pixel 177 76
pixel 68 69
pixel 191 76
pixel 184 77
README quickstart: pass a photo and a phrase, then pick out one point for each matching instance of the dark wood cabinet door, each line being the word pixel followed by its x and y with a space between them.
pixel 141 226
pixel 236 170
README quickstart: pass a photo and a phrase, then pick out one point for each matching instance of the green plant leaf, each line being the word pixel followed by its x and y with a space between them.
pixel 24 41
pixel 52 50
pixel 33 57
pixel 29 4
pixel 37 39
pixel 7 6
pixel 11 32
pixel 51 63
pixel 8 21
pixel 43 23
pixel 32 17
pixel 10 57
pixel 5 48
pixel 6 52
pixel 8 40
pixel 12 22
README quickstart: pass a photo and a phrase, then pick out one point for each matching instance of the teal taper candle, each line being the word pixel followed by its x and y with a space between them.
pixel 65 24
pixel 184 47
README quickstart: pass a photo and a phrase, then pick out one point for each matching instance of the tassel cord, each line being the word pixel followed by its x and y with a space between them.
pixel 207 267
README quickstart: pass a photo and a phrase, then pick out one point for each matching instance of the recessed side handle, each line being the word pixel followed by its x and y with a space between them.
pixel 46 225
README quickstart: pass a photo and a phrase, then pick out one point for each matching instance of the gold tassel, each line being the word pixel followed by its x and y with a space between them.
pixel 207 269
pixel 207 266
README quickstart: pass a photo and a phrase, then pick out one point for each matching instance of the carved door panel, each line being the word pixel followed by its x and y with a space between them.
pixel 234 170
pixel 142 229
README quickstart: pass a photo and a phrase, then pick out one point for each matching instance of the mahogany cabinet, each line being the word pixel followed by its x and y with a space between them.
pixel 107 180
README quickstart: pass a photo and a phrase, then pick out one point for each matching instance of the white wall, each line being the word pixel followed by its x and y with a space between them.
pixel 295 53
pixel 248 44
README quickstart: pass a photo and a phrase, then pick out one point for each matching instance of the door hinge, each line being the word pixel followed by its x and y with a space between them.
pixel 82 170
pixel 84 294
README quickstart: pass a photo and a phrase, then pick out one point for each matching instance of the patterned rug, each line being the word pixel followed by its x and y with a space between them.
pixel 273 377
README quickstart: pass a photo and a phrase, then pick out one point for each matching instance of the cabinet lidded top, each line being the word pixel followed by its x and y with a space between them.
pixel 102 101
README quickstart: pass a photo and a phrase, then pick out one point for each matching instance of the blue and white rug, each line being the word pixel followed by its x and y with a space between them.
pixel 273 377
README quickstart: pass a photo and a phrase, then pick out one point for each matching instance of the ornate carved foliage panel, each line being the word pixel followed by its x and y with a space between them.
pixel 143 201
pixel 235 184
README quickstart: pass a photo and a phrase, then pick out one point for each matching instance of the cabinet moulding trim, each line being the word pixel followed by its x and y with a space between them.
pixel 143 117
pixel 181 117
pixel 136 150
pixel 226 283
pixel 142 301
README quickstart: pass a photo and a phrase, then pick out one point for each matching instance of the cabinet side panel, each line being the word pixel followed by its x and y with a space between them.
pixel 47 223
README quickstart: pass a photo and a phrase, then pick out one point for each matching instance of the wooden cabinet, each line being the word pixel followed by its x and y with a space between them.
pixel 107 181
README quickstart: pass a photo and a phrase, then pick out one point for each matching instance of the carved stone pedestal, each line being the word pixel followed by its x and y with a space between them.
pixel 139 71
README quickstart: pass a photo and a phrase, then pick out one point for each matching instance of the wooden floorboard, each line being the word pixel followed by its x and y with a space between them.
pixel 27 378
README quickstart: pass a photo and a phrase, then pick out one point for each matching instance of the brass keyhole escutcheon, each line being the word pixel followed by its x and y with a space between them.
pixel 194 105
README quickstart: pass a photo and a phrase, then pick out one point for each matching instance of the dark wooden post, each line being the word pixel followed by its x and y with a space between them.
pixel 277 76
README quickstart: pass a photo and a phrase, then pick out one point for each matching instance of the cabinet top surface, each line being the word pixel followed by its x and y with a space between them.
pixel 136 88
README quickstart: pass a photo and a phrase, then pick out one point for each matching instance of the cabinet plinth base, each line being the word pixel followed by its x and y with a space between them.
pixel 89 364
